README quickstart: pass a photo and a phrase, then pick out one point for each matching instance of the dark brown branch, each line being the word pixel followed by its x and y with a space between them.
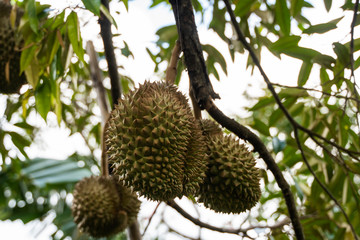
pixel 194 59
pixel 200 82
pixel 106 35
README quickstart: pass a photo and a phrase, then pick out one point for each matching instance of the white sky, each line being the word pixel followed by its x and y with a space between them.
pixel 138 28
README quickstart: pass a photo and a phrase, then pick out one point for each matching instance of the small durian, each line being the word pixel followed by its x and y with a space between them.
pixel 101 206
pixel 129 203
pixel 232 180
pixel 10 78
pixel 148 136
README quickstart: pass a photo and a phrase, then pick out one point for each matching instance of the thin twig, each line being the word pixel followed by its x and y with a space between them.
pixel 237 231
pixel 171 70
pixel 316 90
pixel 295 125
pixel 296 133
pixel 151 217
pixel 97 80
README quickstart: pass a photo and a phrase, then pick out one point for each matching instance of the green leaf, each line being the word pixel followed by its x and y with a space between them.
pixel 126 51
pixel 323 27
pixel 242 7
pixel 282 15
pixel 33 19
pixel 263 102
pixel 284 43
pixel 93 6
pixel 305 54
pixel 328 4
pixel 74 35
pixel 52 172
pixel 27 56
pixel 218 21
pixel 32 73
pixel 126 4
pixel 304 73
pixel 296 6
pixel 261 127
pixel 278 145
pixel 106 13
pixel 342 53
pixel 324 60
pixel 43 99
pixel 215 56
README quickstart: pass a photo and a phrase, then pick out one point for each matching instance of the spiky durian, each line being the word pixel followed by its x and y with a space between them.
pixel 128 200
pixel 210 128
pixel 232 181
pixel 148 137
pixel 195 161
pixel 102 206
pixel 10 78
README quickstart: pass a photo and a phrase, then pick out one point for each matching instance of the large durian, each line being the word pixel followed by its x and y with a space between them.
pixel 10 78
pixel 102 206
pixel 150 137
pixel 232 180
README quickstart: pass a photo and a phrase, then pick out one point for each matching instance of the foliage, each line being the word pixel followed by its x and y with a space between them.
pixel 57 70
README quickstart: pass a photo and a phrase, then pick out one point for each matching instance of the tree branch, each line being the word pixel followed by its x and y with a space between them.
pixel 106 35
pixel 236 231
pixel 191 48
pixel 202 88
pixel 295 125
pixel 97 80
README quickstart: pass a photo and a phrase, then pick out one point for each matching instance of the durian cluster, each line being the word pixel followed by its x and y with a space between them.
pixel 157 147
pixel 10 78
pixel 103 206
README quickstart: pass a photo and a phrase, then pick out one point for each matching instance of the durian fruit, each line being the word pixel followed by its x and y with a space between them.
pixel 148 138
pixel 232 180
pixel 102 206
pixel 10 78
pixel 210 128
pixel 195 161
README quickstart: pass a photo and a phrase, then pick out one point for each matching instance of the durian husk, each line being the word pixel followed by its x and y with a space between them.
pixel 102 206
pixel 10 78
pixel 148 138
pixel 232 180
pixel 210 128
